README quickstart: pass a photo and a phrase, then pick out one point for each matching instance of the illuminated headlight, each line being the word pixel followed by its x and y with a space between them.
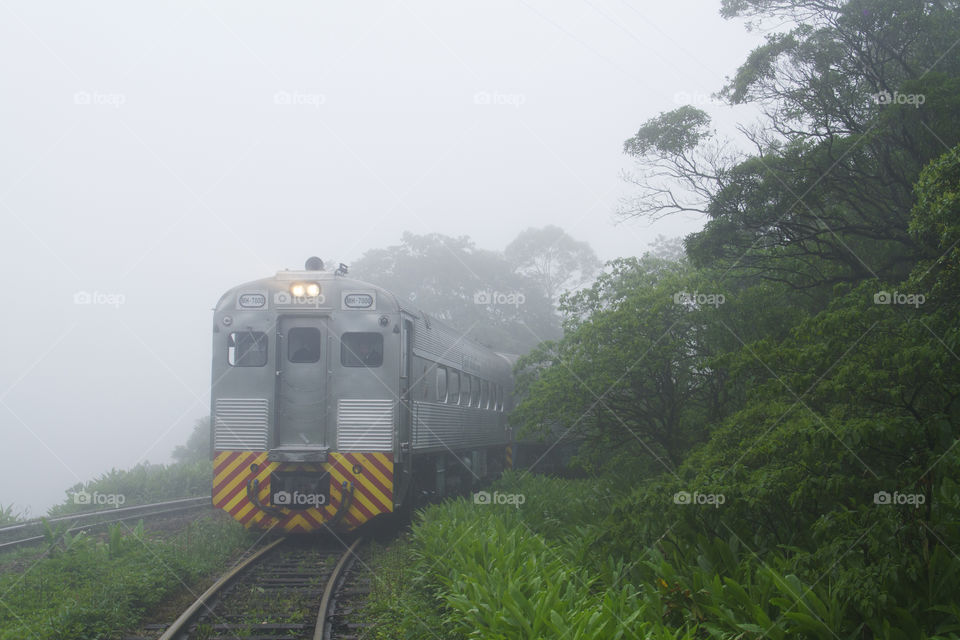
pixel 313 290
pixel 298 290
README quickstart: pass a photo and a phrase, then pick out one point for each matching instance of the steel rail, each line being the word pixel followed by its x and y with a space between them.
pixel 94 519
pixel 187 616
pixel 320 631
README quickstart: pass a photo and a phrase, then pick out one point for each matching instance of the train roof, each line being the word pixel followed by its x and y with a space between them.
pixel 280 282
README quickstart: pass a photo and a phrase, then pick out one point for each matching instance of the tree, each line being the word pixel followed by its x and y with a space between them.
pixel 197 446
pixel 474 290
pixel 858 96
pixel 552 259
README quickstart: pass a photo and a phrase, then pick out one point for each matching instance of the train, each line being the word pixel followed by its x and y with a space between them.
pixel 335 402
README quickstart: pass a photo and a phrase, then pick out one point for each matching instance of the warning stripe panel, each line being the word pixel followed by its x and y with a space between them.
pixel 369 474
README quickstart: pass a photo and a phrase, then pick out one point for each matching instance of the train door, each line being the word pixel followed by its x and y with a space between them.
pixel 406 369
pixel 301 383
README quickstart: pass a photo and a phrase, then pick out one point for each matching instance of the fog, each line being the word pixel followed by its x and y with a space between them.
pixel 154 156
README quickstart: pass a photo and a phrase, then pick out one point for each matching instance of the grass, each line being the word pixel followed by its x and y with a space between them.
pixel 400 606
pixel 94 588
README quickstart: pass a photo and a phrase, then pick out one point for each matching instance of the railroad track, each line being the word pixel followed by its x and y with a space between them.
pixel 290 589
pixel 26 533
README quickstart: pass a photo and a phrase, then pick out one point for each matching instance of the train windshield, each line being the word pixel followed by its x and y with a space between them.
pixel 247 349
pixel 303 344
pixel 361 349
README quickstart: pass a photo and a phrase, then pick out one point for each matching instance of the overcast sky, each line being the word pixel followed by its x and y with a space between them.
pixel 154 155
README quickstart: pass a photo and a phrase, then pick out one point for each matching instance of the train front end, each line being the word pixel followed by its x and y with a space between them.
pixel 305 401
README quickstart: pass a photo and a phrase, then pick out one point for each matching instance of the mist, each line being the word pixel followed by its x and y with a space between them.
pixel 155 156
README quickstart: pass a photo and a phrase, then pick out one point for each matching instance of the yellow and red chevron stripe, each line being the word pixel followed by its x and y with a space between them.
pixel 370 475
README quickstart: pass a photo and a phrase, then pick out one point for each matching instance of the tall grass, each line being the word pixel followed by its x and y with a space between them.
pixel 86 588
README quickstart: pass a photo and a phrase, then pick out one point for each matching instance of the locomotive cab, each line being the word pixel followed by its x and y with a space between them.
pixel 326 393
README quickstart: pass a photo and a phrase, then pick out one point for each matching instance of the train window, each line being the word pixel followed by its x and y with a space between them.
pixel 441 384
pixel 500 397
pixel 485 395
pixel 303 344
pixel 247 349
pixel 453 387
pixel 475 395
pixel 466 389
pixel 361 349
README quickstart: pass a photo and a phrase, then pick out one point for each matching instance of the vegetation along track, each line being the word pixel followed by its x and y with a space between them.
pixel 285 590
pixel 33 531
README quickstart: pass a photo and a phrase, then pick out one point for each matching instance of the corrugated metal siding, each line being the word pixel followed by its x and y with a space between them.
pixel 454 427
pixel 365 425
pixel 241 424
pixel 439 342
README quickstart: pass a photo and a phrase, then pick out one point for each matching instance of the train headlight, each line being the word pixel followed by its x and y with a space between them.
pixel 298 290
pixel 313 290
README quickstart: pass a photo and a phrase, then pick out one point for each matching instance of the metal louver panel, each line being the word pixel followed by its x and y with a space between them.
pixel 437 425
pixel 365 425
pixel 241 424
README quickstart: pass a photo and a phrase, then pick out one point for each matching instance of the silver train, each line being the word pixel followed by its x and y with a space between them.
pixel 334 401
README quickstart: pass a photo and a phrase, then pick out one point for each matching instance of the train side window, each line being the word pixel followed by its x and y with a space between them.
pixel 441 384
pixel 475 396
pixel 361 349
pixel 453 387
pixel 466 390
pixel 485 395
pixel 493 396
pixel 303 344
pixel 500 398
pixel 247 349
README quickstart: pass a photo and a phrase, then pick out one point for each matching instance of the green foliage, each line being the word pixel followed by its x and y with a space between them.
pixel 143 484
pixel 442 275
pixel 673 132
pixel 9 515
pixel 95 589
pixel 197 447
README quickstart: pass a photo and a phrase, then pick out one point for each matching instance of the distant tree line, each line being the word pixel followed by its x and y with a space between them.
pixel 505 300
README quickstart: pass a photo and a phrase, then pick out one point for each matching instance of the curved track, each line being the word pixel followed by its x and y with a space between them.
pixel 284 591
